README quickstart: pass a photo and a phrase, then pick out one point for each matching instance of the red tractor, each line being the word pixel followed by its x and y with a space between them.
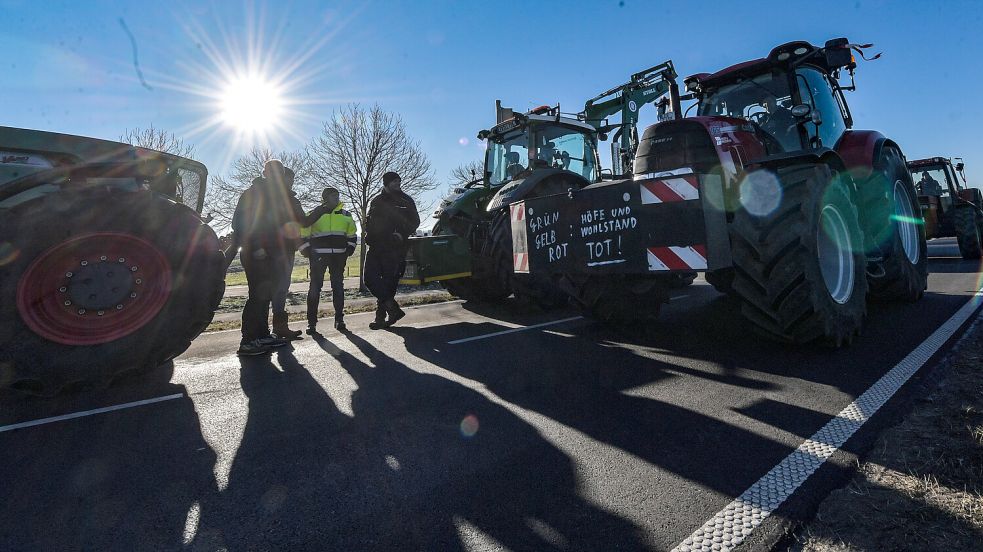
pixel 768 190
pixel 951 208
pixel 106 265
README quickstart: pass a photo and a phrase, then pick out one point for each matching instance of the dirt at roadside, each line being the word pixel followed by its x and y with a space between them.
pixel 921 486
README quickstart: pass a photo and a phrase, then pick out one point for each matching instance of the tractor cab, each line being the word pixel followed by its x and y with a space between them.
pixel 792 98
pixel 539 139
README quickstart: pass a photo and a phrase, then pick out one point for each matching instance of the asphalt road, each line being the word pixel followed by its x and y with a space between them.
pixel 565 436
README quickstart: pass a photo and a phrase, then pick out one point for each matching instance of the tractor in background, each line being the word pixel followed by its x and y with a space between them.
pixel 532 154
pixel 950 207
pixel 106 265
pixel 768 190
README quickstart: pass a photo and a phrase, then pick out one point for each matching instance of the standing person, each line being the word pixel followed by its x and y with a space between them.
pixel 284 272
pixel 261 226
pixel 331 240
pixel 391 220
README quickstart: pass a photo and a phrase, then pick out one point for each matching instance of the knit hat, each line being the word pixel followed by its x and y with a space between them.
pixel 389 177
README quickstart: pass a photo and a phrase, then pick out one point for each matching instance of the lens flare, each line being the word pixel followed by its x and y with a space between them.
pixel 8 253
pixel 469 425
pixel 761 193
pixel 908 220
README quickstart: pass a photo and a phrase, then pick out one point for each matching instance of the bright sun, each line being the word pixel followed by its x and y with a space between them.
pixel 251 104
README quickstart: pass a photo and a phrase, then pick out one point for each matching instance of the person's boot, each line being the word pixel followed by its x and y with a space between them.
pixel 395 313
pixel 280 327
pixel 380 319
pixel 339 324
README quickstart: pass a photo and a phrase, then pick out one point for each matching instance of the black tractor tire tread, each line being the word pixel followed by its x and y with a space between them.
pixel 897 279
pixel 30 363
pixel 776 275
pixel 541 290
pixel 965 220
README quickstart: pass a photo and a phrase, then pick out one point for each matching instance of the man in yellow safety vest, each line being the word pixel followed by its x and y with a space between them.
pixel 329 241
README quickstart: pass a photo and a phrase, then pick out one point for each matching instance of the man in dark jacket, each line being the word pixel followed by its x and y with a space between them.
pixel 391 220
pixel 264 221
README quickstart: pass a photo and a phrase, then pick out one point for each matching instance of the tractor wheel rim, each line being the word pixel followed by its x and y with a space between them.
pixel 906 222
pixel 835 252
pixel 94 289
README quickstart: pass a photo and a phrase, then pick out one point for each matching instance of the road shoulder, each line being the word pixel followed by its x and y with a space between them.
pixel 921 486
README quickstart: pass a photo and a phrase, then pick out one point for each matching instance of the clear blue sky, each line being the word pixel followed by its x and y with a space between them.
pixel 68 66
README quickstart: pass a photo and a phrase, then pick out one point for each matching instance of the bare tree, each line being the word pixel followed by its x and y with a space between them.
pixel 158 139
pixel 356 147
pixel 224 191
pixel 466 172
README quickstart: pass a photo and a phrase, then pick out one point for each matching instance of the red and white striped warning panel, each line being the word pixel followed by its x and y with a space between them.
pixel 684 257
pixel 518 211
pixel 668 190
pixel 520 262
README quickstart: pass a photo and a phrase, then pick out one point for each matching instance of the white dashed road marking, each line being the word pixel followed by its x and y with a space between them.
pixel 63 417
pixel 726 530
pixel 513 330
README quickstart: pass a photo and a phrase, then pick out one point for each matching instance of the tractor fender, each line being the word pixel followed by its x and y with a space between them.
pixel 825 156
pixel 519 189
pixel 860 149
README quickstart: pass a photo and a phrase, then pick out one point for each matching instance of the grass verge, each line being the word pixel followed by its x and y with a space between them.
pixel 236 276
pixel 921 487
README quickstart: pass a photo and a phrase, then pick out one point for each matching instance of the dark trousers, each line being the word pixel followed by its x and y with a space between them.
pixel 383 268
pixel 334 263
pixel 261 274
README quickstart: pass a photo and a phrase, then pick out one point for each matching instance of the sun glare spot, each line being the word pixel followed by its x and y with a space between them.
pixel 251 104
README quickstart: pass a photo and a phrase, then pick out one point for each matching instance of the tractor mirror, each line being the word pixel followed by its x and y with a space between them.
pixel 838 53
pixel 801 111
pixel 960 167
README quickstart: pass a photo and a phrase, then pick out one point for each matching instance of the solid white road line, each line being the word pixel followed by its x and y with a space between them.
pixel 63 417
pixel 513 330
pixel 728 529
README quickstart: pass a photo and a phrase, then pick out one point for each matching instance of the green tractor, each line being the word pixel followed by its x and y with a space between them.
pixel 538 153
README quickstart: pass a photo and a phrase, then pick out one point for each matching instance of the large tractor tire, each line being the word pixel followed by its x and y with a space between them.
pixel 799 267
pixel 543 290
pixel 481 286
pixel 967 225
pixel 895 231
pixel 102 283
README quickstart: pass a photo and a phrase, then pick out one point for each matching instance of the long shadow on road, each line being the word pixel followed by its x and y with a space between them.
pixel 72 486
pixel 589 378
pixel 424 464
pixel 584 388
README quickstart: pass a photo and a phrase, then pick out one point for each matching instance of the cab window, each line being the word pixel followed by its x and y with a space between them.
pixel 815 91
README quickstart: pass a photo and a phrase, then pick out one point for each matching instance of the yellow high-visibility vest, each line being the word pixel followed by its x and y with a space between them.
pixel 334 232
